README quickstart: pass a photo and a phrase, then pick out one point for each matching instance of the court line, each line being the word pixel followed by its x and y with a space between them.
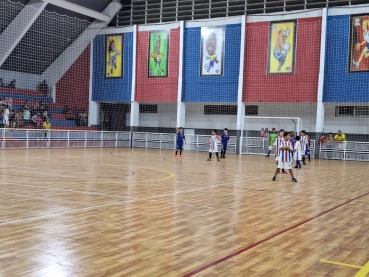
pixel 341 264
pixel 242 250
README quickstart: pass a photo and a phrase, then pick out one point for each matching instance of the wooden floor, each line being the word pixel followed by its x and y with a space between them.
pixel 138 212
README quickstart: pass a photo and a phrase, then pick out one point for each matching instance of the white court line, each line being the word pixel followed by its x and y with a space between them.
pixel 68 190
pixel 128 201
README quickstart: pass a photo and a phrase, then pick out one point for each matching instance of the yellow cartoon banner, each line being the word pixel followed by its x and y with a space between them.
pixel 282 40
pixel 114 56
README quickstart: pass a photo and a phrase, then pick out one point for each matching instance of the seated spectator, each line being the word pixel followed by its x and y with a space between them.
pixel 12 84
pixel 2 83
pixel 44 116
pixel 83 118
pixel 12 119
pixel 26 117
pixel 9 101
pixel 19 121
pixel 69 115
pixel 341 137
pixel 34 120
pixel 76 115
pixel 322 139
pixel 43 87
pixel 3 102
pixel 66 109
pixel 1 117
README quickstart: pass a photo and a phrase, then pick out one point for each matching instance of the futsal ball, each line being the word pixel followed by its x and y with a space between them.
pixel 152 55
pixel 357 47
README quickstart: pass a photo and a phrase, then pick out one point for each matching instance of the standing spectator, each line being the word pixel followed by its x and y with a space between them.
pixel 47 127
pixel 39 121
pixel 322 139
pixel 44 116
pixel 1 117
pixel 83 118
pixel 9 101
pixel 6 117
pixel 26 117
pixel 12 84
pixel 76 115
pixel 341 137
pixel 43 87
pixel 19 119
pixel 330 138
pixel 2 83
pixel 12 119
pixel 262 133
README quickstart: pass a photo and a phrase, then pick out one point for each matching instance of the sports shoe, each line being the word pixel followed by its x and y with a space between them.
pixel 218 160
pixel 267 156
pixel 208 160
pixel 294 180
pixel 181 156
pixel 296 166
pixel 274 178
pixel 175 156
pixel 303 163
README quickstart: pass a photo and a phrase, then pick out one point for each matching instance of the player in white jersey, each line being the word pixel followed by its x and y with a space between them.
pixel 304 145
pixel 297 152
pixel 285 156
pixel 276 145
pixel 213 145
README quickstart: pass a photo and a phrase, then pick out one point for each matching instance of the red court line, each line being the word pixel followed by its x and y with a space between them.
pixel 192 273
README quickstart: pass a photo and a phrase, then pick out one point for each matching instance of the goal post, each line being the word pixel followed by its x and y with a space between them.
pixel 251 141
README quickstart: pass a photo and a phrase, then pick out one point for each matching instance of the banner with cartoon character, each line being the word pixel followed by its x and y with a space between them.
pixel 212 51
pixel 114 56
pixel 359 43
pixel 158 53
pixel 282 40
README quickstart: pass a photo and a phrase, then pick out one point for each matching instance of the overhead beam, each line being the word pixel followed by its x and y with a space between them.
pixel 19 27
pixel 60 66
pixel 103 17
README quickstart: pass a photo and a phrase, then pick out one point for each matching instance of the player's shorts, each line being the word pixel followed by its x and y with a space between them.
pixel 270 148
pixel 224 146
pixel 307 152
pixel 179 146
pixel 284 165
pixel 277 158
pixel 6 121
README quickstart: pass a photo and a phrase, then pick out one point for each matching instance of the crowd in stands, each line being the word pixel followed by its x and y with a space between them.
pixel 80 117
pixel 11 84
pixel 43 87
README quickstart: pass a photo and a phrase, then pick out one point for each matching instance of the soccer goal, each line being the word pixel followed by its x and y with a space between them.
pixel 251 141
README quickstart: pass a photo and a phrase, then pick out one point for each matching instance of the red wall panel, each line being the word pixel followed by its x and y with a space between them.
pixel 157 89
pixel 73 88
pixel 302 86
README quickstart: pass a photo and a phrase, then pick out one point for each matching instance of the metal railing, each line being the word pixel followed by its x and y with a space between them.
pixel 260 146
pixel 168 141
pixel 347 151
pixel 35 138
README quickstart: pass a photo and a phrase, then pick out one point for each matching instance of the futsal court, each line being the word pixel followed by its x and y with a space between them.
pixel 140 212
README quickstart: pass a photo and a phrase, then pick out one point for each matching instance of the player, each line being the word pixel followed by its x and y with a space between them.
pixel 272 138
pixel 277 142
pixel 292 139
pixel 213 142
pixel 181 138
pixel 297 152
pixel 225 143
pixel 304 145
pixel 307 152
pixel 285 156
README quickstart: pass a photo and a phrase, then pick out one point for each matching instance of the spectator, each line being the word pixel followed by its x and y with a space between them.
pixel 1 117
pixel 2 83
pixel 47 126
pixel 43 87
pixel 39 121
pixel 34 120
pixel 12 119
pixel 44 116
pixel 12 84
pixel 9 101
pixel 3 102
pixel 330 137
pixel 69 115
pixel 266 135
pixel 66 109
pixel 6 117
pixel 19 121
pixel 76 115
pixel 341 137
pixel 83 118
pixel 262 133
pixel 26 117
pixel 322 139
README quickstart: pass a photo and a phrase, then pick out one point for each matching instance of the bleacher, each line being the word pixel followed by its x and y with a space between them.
pixel 57 120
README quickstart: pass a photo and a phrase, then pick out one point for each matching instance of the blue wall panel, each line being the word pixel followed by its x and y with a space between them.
pixel 112 89
pixel 339 84
pixel 211 88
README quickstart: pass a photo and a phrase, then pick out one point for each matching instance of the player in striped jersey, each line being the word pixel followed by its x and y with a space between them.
pixel 277 142
pixel 285 156
pixel 304 145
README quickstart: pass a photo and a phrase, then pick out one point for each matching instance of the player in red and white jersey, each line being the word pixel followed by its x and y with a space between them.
pixel 285 156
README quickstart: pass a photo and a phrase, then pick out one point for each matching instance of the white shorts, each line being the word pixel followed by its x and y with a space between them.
pixel 285 165
pixel 6 121
pixel 270 148
pixel 277 158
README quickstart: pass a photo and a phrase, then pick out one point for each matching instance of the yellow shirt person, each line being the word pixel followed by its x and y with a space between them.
pixel 341 137
pixel 47 125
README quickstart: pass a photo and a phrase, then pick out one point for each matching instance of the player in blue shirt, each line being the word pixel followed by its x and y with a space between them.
pixel 180 140
pixel 225 143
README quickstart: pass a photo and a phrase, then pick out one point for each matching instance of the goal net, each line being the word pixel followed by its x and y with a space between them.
pixel 255 132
